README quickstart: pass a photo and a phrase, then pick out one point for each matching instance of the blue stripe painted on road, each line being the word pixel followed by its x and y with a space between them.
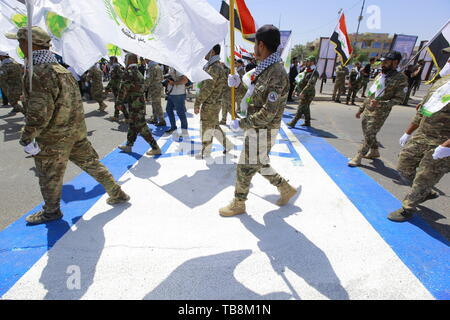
pixel 421 248
pixel 21 246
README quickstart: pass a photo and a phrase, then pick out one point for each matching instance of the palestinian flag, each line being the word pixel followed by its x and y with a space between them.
pixel 341 41
pixel 243 20
pixel 435 46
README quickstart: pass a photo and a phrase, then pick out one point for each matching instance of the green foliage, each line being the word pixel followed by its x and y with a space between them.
pixel 302 52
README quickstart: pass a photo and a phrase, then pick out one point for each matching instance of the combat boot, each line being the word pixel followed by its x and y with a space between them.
pixel 286 193
pixel 102 107
pixel 355 162
pixel 293 122
pixel 306 124
pixel 126 149
pixel 43 217
pixel 162 123
pixel 236 207
pixel 121 198
pixel 152 120
pixel 372 154
pixel 401 215
pixel 154 152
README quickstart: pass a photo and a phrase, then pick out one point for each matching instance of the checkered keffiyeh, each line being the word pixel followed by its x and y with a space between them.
pixel 270 60
pixel 43 56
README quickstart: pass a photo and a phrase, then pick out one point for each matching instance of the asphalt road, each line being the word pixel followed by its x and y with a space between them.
pixel 334 122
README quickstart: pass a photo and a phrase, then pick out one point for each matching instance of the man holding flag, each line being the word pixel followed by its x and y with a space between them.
pixel 388 90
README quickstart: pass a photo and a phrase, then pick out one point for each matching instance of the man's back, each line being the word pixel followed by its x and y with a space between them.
pixel 55 112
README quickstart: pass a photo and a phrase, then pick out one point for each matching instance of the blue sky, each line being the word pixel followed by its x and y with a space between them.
pixel 310 20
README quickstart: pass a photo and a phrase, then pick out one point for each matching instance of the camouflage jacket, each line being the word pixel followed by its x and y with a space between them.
pixel 394 94
pixel 269 99
pixel 211 90
pixel 132 88
pixel 116 77
pixel 154 76
pixel 341 73
pixel 55 114
pixel 11 75
pixel 355 78
pixel 436 128
pixel 95 75
pixel 308 84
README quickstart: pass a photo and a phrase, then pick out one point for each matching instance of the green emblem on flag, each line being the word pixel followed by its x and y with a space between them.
pixel 140 16
pixel 56 24
pixel 20 53
pixel 19 20
pixel 446 98
pixel 113 50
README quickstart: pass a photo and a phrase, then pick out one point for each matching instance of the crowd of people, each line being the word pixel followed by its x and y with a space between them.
pixel 55 130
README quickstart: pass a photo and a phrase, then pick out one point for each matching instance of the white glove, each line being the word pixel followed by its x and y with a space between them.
pixel 234 80
pixel 235 125
pixel 441 153
pixel 32 148
pixel 404 139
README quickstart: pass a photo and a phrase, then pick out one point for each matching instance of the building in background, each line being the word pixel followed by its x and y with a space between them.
pixel 374 44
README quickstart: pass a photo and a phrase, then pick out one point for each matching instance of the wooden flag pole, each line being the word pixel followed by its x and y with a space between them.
pixel 232 43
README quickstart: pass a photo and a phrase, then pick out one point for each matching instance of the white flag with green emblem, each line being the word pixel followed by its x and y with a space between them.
pixel 378 86
pixel 11 21
pixel 437 101
pixel 178 33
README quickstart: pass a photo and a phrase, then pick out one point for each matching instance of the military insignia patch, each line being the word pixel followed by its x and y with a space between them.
pixel 273 96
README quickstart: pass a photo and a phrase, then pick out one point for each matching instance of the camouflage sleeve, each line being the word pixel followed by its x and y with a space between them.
pixel 273 97
pixel 123 91
pixel 417 119
pixel 207 87
pixel 395 95
pixel 40 107
pixel 158 74
pixel 311 84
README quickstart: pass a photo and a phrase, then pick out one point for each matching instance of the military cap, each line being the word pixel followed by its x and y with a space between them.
pixel 40 36
pixel 392 55
pixel 311 59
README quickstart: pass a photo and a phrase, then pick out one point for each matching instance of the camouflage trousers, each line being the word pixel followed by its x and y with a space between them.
pixel 226 104
pixel 338 90
pixel 365 82
pixel 51 165
pixel 352 91
pixel 209 128
pixel 118 108
pixel 255 159
pixel 155 96
pixel 418 166
pixel 97 93
pixel 138 126
pixel 370 127
pixel 304 107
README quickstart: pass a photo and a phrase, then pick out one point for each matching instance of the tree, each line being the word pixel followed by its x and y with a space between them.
pixel 302 52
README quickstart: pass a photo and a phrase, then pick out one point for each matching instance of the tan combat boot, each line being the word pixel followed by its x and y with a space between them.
pixel 120 198
pixel 102 107
pixel 372 154
pixel 154 152
pixel 356 161
pixel 286 193
pixel 126 149
pixel 235 208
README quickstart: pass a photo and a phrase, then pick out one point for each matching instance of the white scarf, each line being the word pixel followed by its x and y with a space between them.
pixel 437 101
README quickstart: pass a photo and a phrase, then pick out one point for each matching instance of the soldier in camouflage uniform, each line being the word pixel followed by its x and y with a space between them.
pixel 117 72
pixel 153 83
pixel 209 102
pixel 131 95
pixel 55 121
pixel 377 107
pixel 239 93
pixel 11 74
pixel 95 76
pixel 307 89
pixel 426 156
pixel 271 90
pixel 354 83
pixel 339 86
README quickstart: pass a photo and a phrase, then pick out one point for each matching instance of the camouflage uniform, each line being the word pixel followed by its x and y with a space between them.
pixel 355 81
pixel 116 78
pixel 239 94
pixel 373 119
pixel 339 86
pixel 55 118
pixel 262 125
pixel 11 75
pixel 210 100
pixel 307 89
pixel 416 162
pixel 95 75
pixel 155 87
pixel 131 95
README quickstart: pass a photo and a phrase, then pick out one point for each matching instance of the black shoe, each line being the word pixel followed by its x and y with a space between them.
pixel 338 101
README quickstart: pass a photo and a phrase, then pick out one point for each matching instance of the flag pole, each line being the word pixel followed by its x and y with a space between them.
pixel 29 6
pixel 232 44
